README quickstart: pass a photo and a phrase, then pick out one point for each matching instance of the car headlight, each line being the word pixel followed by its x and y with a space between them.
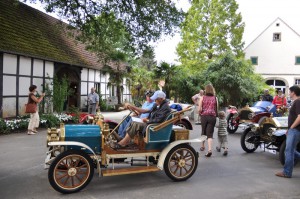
pixel 254 127
pixel 250 116
pixel 271 131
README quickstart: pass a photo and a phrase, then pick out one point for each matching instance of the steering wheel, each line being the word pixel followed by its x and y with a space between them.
pixel 132 110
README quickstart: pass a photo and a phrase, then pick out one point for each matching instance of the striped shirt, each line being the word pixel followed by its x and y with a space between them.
pixel 222 127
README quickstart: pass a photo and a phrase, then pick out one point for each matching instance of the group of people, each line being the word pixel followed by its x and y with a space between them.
pixel 279 100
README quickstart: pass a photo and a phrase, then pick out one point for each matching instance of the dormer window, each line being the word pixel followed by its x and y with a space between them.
pixel 277 37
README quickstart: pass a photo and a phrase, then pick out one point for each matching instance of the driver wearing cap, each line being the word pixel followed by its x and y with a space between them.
pixel 158 114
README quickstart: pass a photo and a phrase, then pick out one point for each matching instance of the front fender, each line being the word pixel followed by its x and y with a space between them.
pixel 166 150
pixel 72 143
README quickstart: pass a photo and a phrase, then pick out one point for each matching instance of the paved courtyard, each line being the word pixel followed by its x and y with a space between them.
pixel 238 176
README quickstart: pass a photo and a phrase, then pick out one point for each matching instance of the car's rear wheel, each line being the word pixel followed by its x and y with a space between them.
pixel 71 171
pixel 282 154
pixel 181 162
pixel 249 141
pixel 232 124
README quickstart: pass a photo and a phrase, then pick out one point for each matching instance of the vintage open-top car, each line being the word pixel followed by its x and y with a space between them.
pixel 75 150
pixel 270 133
pixel 251 114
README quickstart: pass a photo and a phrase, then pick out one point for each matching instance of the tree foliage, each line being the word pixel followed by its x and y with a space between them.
pixel 166 72
pixel 211 27
pixel 147 58
pixel 234 79
pixel 143 20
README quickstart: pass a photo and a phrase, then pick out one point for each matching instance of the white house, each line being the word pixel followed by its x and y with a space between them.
pixel 276 55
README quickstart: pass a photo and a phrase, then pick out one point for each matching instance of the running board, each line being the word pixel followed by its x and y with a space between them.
pixel 131 170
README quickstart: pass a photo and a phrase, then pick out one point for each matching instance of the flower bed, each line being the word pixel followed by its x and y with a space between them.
pixel 46 121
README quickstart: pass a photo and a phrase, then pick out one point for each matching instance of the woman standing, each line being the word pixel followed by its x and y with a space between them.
pixel 34 117
pixel 208 111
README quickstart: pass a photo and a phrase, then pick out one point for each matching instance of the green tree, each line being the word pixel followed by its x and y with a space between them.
pixel 166 72
pixel 145 21
pixel 142 79
pixel 234 79
pixel 147 58
pixel 211 27
pixel 60 93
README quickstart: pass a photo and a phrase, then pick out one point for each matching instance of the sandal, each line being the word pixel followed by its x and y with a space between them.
pixel 209 153
pixel 202 148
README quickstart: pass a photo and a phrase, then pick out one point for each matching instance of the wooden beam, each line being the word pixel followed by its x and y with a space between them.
pixel 130 170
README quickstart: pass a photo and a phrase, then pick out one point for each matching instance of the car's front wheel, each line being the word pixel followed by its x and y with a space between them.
pixel 181 162
pixel 249 141
pixel 71 171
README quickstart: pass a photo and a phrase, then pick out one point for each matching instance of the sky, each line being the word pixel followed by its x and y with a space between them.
pixel 257 15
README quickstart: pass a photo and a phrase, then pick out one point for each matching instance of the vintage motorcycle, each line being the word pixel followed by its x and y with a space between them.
pixel 248 114
pixel 268 132
pixel 74 151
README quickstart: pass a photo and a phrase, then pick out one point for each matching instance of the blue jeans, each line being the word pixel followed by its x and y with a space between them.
pixel 124 126
pixel 292 139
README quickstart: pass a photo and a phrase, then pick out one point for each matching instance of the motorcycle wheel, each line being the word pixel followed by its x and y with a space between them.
pixel 231 124
pixel 249 147
pixel 282 154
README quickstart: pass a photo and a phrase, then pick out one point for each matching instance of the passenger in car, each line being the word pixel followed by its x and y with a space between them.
pixel 158 114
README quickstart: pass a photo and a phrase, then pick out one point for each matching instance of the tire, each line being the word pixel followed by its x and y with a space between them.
pixel 183 124
pixel 175 164
pixel 231 124
pixel 282 154
pixel 68 176
pixel 249 147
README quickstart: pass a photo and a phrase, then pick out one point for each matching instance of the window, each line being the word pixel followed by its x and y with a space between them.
pixel 297 60
pixel 254 60
pixel 297 81
pixel 277 37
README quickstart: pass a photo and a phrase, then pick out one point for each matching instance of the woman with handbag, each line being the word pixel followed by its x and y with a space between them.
pixel 32 108
pixel 208 106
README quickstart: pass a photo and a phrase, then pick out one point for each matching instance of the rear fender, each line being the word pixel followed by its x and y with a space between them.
pixel 166 150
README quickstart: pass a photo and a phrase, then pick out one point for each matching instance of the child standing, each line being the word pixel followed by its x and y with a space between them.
pixel 222 133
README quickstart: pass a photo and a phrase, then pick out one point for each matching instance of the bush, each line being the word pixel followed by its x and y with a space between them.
pixel 49 120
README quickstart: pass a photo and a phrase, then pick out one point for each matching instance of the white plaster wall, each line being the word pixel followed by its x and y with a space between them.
pixel 22 102
pixel 25 66
pixel 97 76
pixel 9 85
pixel 84 88
pixel 84 73
pixel 9 64
pixel 24 84
pixel 9 107
pixel 276 57
pixel 38 82
pixel 91 75
pixel 38 67
pixel 49 69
